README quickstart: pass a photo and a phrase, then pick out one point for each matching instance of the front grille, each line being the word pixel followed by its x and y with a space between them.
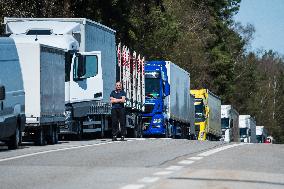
pixel 149 108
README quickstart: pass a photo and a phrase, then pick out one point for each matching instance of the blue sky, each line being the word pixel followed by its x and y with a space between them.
pixel 267 16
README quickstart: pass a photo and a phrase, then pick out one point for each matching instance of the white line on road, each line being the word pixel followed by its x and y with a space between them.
pixel 195 158
pixel 210 152
pixel 54 150
pixel 186 162
pixel 162 173
pixel 149 179
pixel 174 168
pixel 133 186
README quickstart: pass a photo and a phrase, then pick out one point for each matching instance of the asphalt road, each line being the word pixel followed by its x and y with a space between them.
pixel 142 163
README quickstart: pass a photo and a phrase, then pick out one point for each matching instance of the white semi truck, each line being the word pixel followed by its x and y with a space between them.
pixel 229 123
pixel 247 127
pixel 91 70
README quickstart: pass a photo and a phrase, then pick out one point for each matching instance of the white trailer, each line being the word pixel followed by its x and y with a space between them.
pixel 229 123
pixel 43 71
pixel 90 67
pixel 247 127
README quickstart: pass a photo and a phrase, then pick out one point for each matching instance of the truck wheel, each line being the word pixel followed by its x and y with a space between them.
pixel 15 140
pixel 79 134
pixel 167 134
pixel 40 140
pixel 54 136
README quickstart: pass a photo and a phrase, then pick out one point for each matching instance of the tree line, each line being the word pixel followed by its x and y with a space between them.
pixel 198 35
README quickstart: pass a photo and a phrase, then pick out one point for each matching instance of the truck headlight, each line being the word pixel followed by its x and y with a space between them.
pixel 157 120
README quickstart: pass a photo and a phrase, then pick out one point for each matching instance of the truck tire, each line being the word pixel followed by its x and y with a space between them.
pixel 40 138
pixel 15 140
pixel 79 134
pixel 167 134
pixel 54 136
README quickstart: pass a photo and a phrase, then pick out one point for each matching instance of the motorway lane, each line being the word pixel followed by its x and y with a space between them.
pixel 95 163
pixel 248 166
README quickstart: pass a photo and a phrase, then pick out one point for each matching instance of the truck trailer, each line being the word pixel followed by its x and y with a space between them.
pixel 229 124
pixel 169 107
pixel 91 70
pixel 207 115
pixel 247 127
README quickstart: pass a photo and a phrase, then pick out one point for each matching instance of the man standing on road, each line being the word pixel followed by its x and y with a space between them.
pixel 117 99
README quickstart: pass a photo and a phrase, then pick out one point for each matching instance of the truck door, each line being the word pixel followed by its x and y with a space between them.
pixel 86 83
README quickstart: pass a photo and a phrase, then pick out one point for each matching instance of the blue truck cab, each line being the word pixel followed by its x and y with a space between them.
pixel 157 88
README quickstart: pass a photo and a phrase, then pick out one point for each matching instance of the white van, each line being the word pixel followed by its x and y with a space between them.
pixel 12 95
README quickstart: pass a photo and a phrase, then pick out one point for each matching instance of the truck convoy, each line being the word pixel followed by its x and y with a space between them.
pixel 247 127
pixel 207 115
pixel 169 107
pixel 64 71
pixel 261 134
pixel 91 70
pixel 12 96
pixel 229 124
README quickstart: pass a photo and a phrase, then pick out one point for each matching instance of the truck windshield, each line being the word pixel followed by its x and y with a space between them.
pixel 152 87
pixel 199 113
pixel 243 131
pixel 225 123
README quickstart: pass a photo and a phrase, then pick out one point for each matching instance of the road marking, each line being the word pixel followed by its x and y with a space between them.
pixel 149 179
pixel 174 168
pixel 162 173
pixel 210 152
pixel 55 150
pixel 195 158
pixel 186 162
pixel 133 186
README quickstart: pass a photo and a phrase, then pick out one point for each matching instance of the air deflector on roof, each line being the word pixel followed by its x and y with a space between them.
pixel 39 32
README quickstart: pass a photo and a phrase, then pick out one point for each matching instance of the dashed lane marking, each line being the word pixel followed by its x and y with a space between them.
pixel 161 173
pixel 195 158
pixel 174 168
pixel 186 162
pixel 133 186
pixel 149 179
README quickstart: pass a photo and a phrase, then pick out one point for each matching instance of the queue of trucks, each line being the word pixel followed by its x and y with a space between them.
pixel 57 74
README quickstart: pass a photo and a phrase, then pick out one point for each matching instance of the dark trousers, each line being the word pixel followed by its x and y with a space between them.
pixel 118 115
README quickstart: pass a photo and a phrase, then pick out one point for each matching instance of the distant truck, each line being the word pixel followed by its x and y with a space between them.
pixel 12 95
pixel 169 107
pixel 261 134
pixel 229 124
pixel 207 115
pixel 247 127
pixel 91 70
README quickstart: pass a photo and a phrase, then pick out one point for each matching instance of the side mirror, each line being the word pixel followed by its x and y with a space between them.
pixel 2 92
pixel 166 89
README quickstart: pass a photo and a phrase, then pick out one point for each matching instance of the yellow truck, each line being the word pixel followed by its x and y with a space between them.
pixel 207 115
